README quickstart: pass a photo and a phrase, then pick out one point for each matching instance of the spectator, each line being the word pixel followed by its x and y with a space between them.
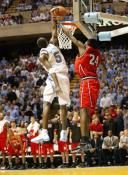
pixel 106 101
pixel 124 102
pixel 119 122
pixel 123 147
pixel 110 148
pixel 109 124
pixel 96 152
pixel 96 127
pixel 125 119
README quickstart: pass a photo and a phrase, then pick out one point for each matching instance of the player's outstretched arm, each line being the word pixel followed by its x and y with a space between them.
pixel 78 43
pixel 103 67
pixel 54 38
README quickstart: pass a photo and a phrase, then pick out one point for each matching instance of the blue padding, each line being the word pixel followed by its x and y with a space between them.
pixel 104 36
pixel 92 17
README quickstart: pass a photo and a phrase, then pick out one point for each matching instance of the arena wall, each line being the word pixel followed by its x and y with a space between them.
pixel 25 29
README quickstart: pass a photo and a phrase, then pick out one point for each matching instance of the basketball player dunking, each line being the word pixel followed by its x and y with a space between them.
pixel 57 83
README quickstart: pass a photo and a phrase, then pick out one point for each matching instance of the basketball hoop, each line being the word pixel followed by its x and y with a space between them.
pixel 64 41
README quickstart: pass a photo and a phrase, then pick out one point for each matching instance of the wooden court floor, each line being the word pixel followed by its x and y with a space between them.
pixel 76 171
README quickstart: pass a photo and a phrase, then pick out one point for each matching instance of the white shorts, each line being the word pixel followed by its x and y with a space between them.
pixel 49 91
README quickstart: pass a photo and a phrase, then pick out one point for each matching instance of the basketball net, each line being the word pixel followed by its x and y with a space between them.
pixel 64 41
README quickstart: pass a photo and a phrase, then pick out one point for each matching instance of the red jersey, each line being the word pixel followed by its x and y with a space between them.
pixel 14 140
pixel 96 127
pixel 3 136
pixel 3 132
pixel 14 147
pixel 87 64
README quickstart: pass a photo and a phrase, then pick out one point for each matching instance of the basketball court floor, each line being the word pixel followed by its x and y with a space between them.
pixel 123 170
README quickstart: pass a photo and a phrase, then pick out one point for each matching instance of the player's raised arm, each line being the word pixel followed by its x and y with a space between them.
pixel 78 43
pixel 103 67
pixel 54 38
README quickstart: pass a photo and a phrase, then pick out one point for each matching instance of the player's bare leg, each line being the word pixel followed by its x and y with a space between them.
pixel 3 161
pixel 46 113
pixel 44 137
pixel 63 113
pixel 84 122
pixel 63 116
pixel 23 162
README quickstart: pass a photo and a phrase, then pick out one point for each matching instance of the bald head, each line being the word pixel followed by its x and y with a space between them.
pixel 42 42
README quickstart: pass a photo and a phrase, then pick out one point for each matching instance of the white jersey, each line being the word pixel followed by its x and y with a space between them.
pixel 55 58
pixel 58 66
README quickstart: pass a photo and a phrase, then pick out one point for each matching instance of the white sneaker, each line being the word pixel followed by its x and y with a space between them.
pixel 63 136
pixel 42 137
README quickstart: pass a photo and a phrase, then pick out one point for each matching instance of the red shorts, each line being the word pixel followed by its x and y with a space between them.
pixel 14 151
pixel 3 145
pixel 47 149
pixel 24 142
pixel 63 147
pixel 74 145
pixel 34 148
pixel 89 91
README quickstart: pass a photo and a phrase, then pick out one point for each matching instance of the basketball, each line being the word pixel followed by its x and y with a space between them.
pixel 59 11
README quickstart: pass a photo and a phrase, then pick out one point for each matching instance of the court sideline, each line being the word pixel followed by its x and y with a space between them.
pixel 74 171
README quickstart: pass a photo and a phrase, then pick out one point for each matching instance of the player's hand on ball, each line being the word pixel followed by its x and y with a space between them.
pixel 52 11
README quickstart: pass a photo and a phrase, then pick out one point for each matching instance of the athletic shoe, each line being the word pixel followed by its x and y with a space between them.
pixel 64 165
pixel 83 147
pixel 2 168
pixel 44 166
pixel 42 137
pixel 34 166
pixel 81 165
pixel 52 166
pixel 63 136
pixel 22 167
pixel 73 165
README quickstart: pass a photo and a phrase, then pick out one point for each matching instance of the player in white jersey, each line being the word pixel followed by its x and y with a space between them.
pixel 57 83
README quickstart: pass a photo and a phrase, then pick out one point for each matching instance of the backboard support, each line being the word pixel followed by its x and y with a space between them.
pixel 81 7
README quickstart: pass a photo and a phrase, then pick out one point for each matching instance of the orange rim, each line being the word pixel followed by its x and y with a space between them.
pixel 69 23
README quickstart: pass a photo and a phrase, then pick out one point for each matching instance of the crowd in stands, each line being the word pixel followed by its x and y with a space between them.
pixel 26 5
pixel 11 20
pixel 110 8
pixel 21 103
pixel 4 4
pixel 37 15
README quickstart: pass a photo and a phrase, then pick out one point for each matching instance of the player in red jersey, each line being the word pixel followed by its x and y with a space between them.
pixel 86 65
pixel 15 148
pixel 33 131
pixel 3 137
